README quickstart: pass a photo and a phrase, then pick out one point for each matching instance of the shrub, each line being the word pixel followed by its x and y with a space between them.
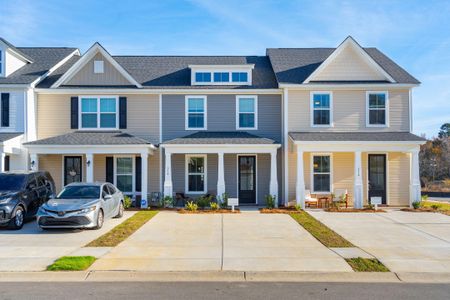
pixel 223 201
pixel 416 204
pixel 167 201
pixel 270 201
pixel 298 207
pixel 203 201
pixel 214 206
pixel 435 206
pixel 127 202
pixel 424 197
pixel 191 206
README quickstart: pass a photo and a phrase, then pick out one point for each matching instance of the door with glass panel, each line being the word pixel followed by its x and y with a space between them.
pixel 247 179
pixel 72 169
pixel 124 174
pixel 377 176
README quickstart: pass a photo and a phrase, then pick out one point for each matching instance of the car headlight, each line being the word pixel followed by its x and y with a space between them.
pixel 87 210
pixel 5 200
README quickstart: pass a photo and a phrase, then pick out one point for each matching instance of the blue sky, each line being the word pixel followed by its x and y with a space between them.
pixel 416 34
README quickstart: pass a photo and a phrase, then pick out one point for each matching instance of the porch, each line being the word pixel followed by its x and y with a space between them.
pixel 12 155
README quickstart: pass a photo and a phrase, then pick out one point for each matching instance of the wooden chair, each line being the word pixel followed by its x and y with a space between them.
pixel 181 197
pixel 309 200
pixel 340 196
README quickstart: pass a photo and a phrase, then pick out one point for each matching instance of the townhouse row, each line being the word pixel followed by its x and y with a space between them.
pixel 292 121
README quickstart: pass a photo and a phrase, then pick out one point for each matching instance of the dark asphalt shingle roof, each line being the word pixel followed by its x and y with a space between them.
pixel 294 65
pixel 7 136
pixel 155 72
pixel 222 137
pixel 43 60
pixel 355 136
pixel 92 138
pixel 9 45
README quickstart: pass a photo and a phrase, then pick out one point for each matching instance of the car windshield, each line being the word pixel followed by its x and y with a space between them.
pixel 12 182
pixel 80 192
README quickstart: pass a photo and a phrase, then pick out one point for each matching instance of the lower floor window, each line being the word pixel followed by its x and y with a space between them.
pixel 124 174
pixel 196 174
pixel 321 173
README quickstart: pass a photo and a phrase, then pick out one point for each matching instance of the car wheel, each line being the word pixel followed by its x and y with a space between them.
pixel 121 209
pixel 19 216
pixel 100 219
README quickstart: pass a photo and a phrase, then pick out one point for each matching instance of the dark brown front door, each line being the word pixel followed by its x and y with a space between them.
pixel 72 169
pixel 377 176
pixel 247 180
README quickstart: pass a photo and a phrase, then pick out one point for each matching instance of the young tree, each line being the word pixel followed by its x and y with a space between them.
pixel 444 131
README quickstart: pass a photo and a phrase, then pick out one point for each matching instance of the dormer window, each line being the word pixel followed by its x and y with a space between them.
pixel 221 74
pixel 203 77
pixel 221 77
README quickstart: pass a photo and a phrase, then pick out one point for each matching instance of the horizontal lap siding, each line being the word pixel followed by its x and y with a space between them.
pixel 53 115
pixel 343 172
pixel 398 178
pixel 53 164
pixel 230 165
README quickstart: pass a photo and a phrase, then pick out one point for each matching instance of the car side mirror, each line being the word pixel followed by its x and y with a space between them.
pixel 107 197
pixel 52 196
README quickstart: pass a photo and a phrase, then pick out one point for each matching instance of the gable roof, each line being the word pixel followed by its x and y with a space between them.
pixel 96 48
pixel 220 137
pixel 19 53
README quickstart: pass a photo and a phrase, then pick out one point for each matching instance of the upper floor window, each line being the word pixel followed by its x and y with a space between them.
pixel 195 112
pixel 221 77
pixel 202 76
pixel 1 62
pixel 239 76
pixel 321 173
pixel 321 109
pixel 246 112
pixel 98 112
pixel 377 109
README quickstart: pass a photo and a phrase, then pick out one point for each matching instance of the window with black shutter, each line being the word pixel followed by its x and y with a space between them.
pixel 5 109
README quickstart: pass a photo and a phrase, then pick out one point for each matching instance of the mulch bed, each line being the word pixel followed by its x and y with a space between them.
pixel 152 208
pixel 280 210
pixel 354 210
pixel 208 211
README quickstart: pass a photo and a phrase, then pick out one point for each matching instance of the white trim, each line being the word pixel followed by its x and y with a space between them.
pixel 256 175
pixel 211 69
pixel 284 129
pixel 386 109
pixel 367 174
pixel 86 58
pixel 225 148
pixel 93 149
pixel 311 108
pixel 255 112
pixel 346 86
pixel 186 174
pixel 133 182
pixel 160 141
pixel 83 162
pixel 19 55
pixel 410 102
pixel 146 91
pixel 3 62
pixel 98 128
pixel 186 112
pixel 367 58
pixel 311 171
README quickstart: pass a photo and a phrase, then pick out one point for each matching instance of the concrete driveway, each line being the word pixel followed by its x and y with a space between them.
pixel 32 249
pixel 403 241
pixel 249 241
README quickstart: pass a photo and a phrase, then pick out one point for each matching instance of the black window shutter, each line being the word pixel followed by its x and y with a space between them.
pixel 5 109
pixel 74 112
pixel 138 174
pixel 7 167
pixel 122 112
pixel 110 169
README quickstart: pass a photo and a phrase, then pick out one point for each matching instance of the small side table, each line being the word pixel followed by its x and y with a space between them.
pixel 324 202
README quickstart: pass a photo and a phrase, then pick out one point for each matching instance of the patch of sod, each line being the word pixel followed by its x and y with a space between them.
pixel 441 206
pixel 122 231
pixel 321 232
pixel 72 263
pixel 366 265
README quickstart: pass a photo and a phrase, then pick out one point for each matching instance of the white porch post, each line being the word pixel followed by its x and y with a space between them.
pixel 2 161
pixel 34 159
pixel 274 176
pixel 220 176
pixel 300 184
pixel 89 167
pixel 415 194
pixel 358 186
pixel 144 179
pixel 168 187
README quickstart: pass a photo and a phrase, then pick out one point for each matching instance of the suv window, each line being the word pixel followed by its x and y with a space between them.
pixel 31 181
pixel 112 189
pixel 105 191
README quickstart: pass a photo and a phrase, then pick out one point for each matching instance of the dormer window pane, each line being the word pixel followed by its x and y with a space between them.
pixel 239 77
pixel 221 77
pixel 203 77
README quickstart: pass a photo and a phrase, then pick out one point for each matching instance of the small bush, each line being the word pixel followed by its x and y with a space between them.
pixel 127 202
pixel 416 204
pixel 424 197
pixel 204 201
pixel 214 206
pixel 270 201
pixel 298 207
pixel 435 206
pixel 167 201
pixel 223 201
pixel 191 206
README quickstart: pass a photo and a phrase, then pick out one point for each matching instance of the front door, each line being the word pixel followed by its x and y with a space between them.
pixel 377 176
pixel 247 179
pixel 72 169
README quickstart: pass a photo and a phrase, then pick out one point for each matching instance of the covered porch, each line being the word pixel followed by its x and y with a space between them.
pixel 12 155
pixel 364 165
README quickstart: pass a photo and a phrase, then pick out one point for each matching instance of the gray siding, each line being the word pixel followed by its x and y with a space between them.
pixel 221 115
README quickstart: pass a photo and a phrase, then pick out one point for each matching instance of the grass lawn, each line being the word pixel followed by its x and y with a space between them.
pixel 122 231
pixel 366 265
pixel 443 206
pixel 321 232
pixel 72 263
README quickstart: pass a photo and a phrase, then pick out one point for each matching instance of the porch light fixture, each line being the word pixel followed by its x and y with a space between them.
pixel 32 163
pixel 88 163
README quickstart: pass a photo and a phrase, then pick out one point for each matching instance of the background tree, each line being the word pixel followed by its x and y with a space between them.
pixel 444 131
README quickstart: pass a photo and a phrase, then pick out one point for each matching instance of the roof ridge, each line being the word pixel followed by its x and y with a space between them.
pixel 189 55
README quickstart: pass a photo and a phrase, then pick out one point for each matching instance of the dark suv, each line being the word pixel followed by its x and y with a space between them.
pixel 21 195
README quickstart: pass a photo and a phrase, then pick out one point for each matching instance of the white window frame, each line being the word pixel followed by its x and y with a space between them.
pixel 255 98
pixel 386 109
pixel 312 173
pixel 186 173
pixel 186 112
pixel 133 182
pixel 99 67
pixel 98 128
pixel 311 100
pixel 202 82
pixel 230 69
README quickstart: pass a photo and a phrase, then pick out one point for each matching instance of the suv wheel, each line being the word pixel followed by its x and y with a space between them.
pixel 19 216
pixel 100 219
pixel 120 212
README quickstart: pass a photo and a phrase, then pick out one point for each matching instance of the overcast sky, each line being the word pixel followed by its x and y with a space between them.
pixel 415 34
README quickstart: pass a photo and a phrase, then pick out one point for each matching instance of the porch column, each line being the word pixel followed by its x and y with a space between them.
pixel 220 176
pixel 89 167
pixel 34 159
pixel 274 176
pixel 300 184
pixel 168 187
pixel 358 186
pixel 144 178
pixel 415 194
pixel 2 161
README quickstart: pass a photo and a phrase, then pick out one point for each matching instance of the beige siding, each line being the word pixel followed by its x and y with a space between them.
pixel 154 172
pixel 349 111
pixel 100 167
pixel 53 164
pixel 53 115
pixel 343 172
pixel 349 65
pixel 398 178
pixel 86 75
